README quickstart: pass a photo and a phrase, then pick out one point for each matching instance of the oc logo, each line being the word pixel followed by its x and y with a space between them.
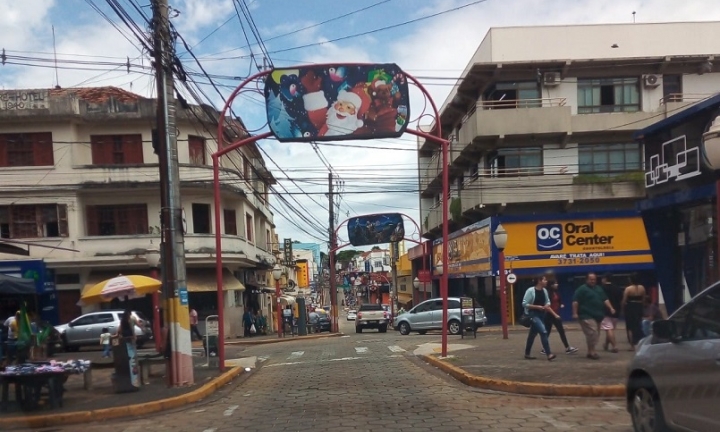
pixel 549 237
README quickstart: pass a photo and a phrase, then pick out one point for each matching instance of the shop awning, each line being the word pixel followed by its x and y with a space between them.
pixel 204 280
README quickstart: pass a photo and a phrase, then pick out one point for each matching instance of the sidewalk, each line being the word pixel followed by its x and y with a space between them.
pixel 501 362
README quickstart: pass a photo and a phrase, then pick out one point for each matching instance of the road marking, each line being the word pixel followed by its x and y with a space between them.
pixel 395 348
pixel 369 340
pixel 329 360
pixel 263 358
pixel 296 355
pixel 210 430
pixel 228 412
pixel 361 350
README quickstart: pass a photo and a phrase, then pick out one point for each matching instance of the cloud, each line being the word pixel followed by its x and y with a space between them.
pixel 197 14
pixel 22 21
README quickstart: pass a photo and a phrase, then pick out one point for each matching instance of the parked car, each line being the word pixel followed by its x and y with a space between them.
pixel 86 329
pixel 323 323
pixel 352 315
pixel 428 316
pixel 673 380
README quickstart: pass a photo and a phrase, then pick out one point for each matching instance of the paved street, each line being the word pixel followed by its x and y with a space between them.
pixel 364 382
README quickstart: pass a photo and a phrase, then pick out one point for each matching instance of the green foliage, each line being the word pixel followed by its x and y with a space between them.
pixel 633 177
pixel 347 255
pixel 456 210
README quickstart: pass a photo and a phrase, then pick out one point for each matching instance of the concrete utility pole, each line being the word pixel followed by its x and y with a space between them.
pixel 177 316
pixel 331 257
pixel 394 258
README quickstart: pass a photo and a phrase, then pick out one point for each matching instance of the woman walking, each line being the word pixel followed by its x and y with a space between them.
pixel 536 303
pixel 554 319
pixel 633 304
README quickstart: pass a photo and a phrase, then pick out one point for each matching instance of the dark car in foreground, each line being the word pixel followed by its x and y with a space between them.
pixel 674 380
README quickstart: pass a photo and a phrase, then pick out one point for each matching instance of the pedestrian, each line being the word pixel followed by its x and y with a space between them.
pixel 614 293
pixel 247 322
pixel 105 342
pixel 650 314
pixel 589 303
pixel 194 324
pixel 536 303
pixel 555 319
pixel 12 336
pixel 633 304
pixel 126 330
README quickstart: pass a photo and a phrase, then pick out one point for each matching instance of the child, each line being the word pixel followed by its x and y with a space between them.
pixel 105 342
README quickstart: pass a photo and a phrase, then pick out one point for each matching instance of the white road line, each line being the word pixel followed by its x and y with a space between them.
pixel 228 412
pixel 210 430
pixel 328 360
pixel 395 348
pixel 361 350
pixel 296 355
pixel 262 359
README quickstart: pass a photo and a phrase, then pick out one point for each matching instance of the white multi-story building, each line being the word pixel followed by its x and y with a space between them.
pixel 373 261
pixel 79 172
pixel 543 118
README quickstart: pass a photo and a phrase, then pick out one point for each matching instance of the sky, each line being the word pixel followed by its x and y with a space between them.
pixel 430 39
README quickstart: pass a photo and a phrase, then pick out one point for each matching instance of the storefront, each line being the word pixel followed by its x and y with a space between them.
pixel 570 245
pixel 680 212
pixel 45 299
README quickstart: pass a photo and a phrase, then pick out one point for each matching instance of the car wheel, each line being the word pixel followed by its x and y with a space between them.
pixel 358 329
pixel 404 328
pixel 646 410
pixel 382 329
pixel 454 327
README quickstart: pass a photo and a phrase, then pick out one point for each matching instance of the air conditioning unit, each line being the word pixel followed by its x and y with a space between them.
pixel 651 81
pixel 551 79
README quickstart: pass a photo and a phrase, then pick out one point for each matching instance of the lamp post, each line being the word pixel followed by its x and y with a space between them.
pixel 277 274
pixel 500 238
pixel 152 256
pixel 440 269
pixel 416 285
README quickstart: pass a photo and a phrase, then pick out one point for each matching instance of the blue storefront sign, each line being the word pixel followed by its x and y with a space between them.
pixel 45 290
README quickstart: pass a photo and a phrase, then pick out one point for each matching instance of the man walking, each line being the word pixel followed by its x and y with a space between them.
pixel 194 325
pixel 589 303
pixel 615 294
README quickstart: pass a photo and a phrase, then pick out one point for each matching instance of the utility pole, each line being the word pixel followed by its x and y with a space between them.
pixel 177 318
pixel 331 256
pixel 394 258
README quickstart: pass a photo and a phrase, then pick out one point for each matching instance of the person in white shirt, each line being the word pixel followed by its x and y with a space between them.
pixel 105 342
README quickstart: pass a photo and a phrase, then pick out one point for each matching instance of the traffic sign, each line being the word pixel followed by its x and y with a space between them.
pixel 511 278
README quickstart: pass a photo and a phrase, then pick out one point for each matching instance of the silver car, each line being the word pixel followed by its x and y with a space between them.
pixel 674 379
pixel 85 330
pixel 428 316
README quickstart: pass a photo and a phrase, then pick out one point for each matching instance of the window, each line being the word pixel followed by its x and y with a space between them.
pixel 67 279
pixel 104 318
pixel 609 158
pixel 453 304
pixel 33 221
pixel 230 222
pixel 268 240
pixel 197 150
pixel 121 219
pixel 249 227
pixel 116 149
pixel 246 169
pixel 515 162
pixel 201 218
pixel 26 149
pixel 672 88
pixel 608 95
pixel 513 95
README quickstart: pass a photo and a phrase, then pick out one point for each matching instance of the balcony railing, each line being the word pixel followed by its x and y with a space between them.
pixel 521 103
pixel 684 97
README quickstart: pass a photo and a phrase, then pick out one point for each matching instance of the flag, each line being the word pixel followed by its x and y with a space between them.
pixel 24 329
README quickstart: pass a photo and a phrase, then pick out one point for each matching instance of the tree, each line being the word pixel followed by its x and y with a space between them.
pixel 375 248
pixel 347 255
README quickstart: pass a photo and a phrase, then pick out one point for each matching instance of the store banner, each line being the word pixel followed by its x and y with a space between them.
pixel 580 242
pixel 469 253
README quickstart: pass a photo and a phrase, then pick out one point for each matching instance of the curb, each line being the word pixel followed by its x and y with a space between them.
pixel 280 340
pixel 71 418
pixel 526 388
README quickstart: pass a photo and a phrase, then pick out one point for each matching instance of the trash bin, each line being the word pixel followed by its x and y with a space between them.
pixel 127 374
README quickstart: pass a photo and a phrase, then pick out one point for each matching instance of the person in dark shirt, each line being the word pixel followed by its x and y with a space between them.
pixel 589 304
pixel 554 319
pixel 613 293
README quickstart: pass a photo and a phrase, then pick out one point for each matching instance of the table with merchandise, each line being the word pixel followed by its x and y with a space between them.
pixel 31 378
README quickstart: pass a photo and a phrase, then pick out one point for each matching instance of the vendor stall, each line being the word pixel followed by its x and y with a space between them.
pixel 31 379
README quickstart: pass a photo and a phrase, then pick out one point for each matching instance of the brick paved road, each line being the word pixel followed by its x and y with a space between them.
pixel 369 382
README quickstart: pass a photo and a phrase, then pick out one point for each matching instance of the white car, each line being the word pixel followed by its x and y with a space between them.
pixel 351 315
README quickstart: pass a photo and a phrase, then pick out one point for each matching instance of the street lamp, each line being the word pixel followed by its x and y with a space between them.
pixel 152 256
pixel 416 283
pixel 711 147
pixel 500 238
pixel 440 269
pixel 277 274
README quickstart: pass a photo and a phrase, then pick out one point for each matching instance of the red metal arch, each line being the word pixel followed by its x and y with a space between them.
pixel 223 149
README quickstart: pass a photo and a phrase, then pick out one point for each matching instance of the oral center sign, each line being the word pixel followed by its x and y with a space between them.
pixel 552 237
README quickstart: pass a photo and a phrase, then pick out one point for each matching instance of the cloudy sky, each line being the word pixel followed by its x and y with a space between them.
pixel 431 39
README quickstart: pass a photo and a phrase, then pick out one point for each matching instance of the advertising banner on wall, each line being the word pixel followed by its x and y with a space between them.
pixel 337 102
pixel 577 242
pixel 469 253
pixel 375 229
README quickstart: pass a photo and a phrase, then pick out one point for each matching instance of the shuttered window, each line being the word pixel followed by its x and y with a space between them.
pixel 26 149
pixel 116 149
pixel 197 150
pixel 33 221
pixel 123 219
pixel 230 219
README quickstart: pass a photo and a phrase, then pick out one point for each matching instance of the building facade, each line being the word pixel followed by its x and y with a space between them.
pixel 79 172
pixel 541 126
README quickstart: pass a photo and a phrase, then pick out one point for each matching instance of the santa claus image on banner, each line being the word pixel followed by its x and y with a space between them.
pixel 343 117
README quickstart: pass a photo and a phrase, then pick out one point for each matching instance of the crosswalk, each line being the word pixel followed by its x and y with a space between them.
pixel 331 355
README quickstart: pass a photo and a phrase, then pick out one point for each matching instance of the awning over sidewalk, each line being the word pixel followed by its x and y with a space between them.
pixel 204 280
